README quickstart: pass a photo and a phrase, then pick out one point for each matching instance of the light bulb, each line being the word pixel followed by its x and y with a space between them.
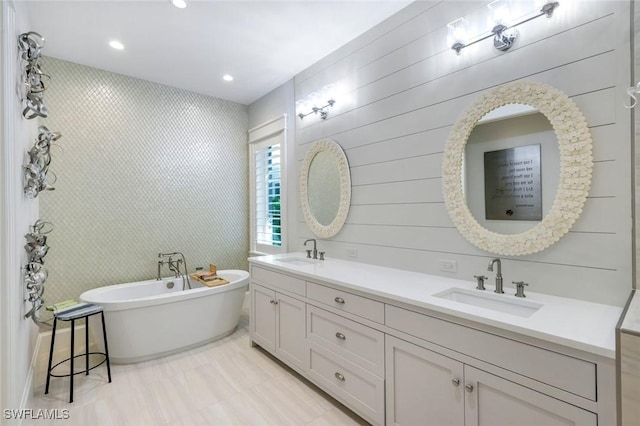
pixel 500 13
pixel 457 35
pixel 116 44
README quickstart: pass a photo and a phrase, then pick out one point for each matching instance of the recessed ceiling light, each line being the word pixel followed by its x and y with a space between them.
pixel 180 4
pixel 227 77
pixel 116 44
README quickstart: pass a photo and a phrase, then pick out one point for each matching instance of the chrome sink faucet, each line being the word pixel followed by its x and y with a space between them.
pixel 315 249
pixel 498 274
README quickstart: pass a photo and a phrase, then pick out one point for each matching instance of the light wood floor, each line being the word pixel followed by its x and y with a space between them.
pixel 223 383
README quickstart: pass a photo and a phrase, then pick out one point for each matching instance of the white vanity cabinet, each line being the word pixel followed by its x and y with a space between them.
pixel 542 388
pixel 396 363
pixel 346 357
pixel 493 401
pixel 277 320
pixel 424 387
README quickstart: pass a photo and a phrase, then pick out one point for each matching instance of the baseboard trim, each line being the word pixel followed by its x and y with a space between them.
pixel 29 387
pixel 43 343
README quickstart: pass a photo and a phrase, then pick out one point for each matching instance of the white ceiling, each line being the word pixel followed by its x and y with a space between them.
pixel 261 43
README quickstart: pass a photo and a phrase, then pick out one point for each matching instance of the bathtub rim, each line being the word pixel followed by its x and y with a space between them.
pixel 93 295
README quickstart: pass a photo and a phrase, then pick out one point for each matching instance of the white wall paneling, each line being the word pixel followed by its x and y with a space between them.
pixel 406 88
pixel 17 335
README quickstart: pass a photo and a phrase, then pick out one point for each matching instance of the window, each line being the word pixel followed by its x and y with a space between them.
pixel 267 187
pixel 267 205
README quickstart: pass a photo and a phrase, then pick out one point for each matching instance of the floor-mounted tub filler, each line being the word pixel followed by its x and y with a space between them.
pixel 153 318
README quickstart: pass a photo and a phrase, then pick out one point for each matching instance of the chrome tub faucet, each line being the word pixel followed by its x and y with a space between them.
pixel 174 266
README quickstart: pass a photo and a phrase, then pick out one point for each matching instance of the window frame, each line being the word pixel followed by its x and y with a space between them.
pixel 270 133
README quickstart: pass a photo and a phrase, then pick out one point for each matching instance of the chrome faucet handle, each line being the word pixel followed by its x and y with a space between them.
pixel 480 280
pixel 321 255
pixel 308 254
pixel 520 288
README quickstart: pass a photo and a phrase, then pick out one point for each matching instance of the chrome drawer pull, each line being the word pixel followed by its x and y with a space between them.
pixel 456 382
pixel 339 299
pixel 469 388
pixel 339 377
pixel 341 336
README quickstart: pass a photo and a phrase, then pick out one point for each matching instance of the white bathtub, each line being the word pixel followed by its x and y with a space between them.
pixel 147 319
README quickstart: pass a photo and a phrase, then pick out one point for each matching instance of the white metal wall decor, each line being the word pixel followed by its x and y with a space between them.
pixel 35 274
pixel 37 176
pixel 37 171
pixel 633 91
pixel 30 44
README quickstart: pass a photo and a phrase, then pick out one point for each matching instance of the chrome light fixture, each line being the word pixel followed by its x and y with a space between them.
pixel 504 34
pixel 314 103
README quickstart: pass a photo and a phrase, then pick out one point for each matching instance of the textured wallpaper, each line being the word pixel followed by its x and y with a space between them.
pixel 143 168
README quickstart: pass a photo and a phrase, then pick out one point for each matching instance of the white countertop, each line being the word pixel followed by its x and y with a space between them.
pixel 577 324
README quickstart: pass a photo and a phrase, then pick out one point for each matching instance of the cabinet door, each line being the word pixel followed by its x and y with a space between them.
pixel 290 331
pixel 423 387
pixel 263 317
pixel 492 401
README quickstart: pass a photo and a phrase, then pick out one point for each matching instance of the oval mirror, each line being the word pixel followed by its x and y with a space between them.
pixel 504 164
pixel 325 188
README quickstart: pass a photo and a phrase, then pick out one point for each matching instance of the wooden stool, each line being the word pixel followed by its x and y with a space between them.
pixel 72 314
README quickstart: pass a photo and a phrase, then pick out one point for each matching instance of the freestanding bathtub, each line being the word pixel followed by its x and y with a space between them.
pixel 149 319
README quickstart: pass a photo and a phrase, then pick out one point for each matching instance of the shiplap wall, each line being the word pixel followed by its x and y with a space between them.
pixel 404 90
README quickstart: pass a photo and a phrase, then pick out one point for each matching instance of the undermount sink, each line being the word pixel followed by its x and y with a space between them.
pixel 297 260
pixel 496 302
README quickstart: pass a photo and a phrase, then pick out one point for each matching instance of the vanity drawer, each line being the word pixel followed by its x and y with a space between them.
pixel 348 302
pixel 274 279
pixel 355 342
pixel 355 387
pixel 570 374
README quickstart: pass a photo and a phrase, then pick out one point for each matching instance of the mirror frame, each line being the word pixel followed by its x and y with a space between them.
pixel 576 166
pixel 320 230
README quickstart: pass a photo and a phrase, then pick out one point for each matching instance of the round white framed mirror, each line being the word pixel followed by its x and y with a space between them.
pixel 325 188
pixel 574 178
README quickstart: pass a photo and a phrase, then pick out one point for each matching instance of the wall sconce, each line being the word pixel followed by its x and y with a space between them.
pixel 313 103
pixel 503 33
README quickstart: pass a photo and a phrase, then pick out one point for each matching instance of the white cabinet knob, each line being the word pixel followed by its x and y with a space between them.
pixel 455 382
pixel 469 388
